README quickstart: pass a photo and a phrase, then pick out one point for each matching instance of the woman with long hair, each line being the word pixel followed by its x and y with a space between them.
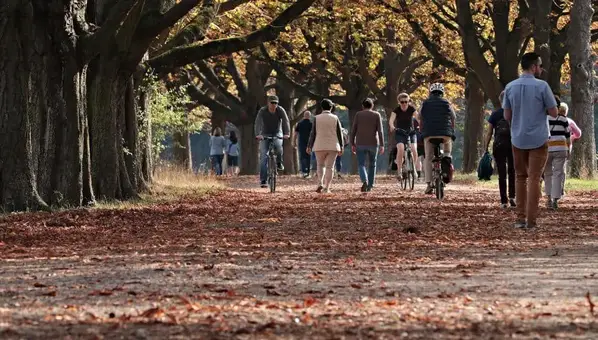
pixel 232 154
pixel 217 146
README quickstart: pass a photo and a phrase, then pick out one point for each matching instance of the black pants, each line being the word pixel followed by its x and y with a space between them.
pixel 503 156
pixel 304 159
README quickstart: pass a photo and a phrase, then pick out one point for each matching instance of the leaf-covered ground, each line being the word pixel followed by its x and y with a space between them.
pixel 243 263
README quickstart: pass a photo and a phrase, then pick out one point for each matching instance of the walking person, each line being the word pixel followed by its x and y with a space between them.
pixel 575 135
pixel 217 147
pixel 326 141
pixel 302 133
pixel 419 162
pixel 558 153
pixel 502 150
pixel 526 102
pixel 271 121
pixel 401 122
pixel 232 154
pixel 367 139
pixel 339 160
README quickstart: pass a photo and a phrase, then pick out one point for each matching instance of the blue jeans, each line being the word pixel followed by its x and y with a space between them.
pixel 305 158
pixel 371 154
pixel 264 145
pixel 338 164
pixel 217 164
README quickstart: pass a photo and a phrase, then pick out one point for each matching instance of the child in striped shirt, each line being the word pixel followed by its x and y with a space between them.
pixel 558 153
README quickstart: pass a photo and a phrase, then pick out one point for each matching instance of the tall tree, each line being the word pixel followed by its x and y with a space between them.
pixel 68 119
pixel 583 162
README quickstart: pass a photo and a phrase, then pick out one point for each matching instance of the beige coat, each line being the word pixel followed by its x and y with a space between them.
pixel 326 129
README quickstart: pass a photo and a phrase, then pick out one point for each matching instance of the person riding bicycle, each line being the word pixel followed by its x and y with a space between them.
pixel 401 122
pixel 437 121
pixel 271 121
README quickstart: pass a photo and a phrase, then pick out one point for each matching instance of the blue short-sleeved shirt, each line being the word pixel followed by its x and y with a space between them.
pixel 529 98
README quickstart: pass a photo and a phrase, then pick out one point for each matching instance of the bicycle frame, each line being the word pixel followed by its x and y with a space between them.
pixel 271 163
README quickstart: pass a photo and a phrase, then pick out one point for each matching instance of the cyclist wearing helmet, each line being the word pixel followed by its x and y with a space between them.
pixel 401 122
pixel 437 121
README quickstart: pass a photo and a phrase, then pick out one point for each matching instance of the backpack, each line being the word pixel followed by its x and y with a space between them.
pixel 502 133
pixel 485 168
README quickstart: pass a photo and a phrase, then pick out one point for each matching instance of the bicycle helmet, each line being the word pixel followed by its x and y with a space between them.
pixel 437 87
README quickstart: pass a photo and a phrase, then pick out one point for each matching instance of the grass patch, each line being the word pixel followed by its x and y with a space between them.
pixel 571 184
pixel 170 184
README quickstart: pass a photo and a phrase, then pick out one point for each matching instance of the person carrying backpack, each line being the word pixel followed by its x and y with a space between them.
pixel 502 151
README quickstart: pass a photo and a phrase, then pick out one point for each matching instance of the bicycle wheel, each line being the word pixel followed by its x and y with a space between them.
pixel 410 173
pixel 439 184
pixel 272 173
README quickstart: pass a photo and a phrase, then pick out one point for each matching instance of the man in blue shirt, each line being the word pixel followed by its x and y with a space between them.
pixel 302 132
pixel 526 103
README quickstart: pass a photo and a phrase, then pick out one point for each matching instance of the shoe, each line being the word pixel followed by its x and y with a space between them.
pixel 263 185
pixel 327 190
pixel 339 176
pixel 369 189
pixel 429 189
pixel 280 167
pixel 555 204
pixel 512 203
pixel 305 176
pixel 503 206
pixel 319 189
pixel 364 187
pixel 519 225
pixel 549 203
pixel 399 176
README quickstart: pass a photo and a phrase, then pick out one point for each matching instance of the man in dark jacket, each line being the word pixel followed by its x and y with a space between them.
pixel 271 121
pixel 437 121
pixel 302 133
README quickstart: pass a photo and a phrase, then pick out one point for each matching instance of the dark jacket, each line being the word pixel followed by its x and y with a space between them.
pixel 437 117
pixel 270 124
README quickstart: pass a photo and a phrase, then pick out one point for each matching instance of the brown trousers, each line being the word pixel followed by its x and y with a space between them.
pixel 529 166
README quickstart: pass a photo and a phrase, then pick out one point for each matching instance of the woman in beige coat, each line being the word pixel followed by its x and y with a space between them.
pixel 326 140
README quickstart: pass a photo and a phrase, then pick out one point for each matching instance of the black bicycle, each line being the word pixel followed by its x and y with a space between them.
pixel 408 169
pixel 272 164
pixel 438 176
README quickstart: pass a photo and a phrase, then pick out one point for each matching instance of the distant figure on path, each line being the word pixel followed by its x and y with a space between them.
pixel 526 102
pixel 232 154
pixel 367 138
pixel 326 141
pixel 502 150
pixel 302 133
pixel 217 146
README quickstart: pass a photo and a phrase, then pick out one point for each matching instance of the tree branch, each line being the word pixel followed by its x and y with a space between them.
pixel 231 67
pixel 181 56
pixel 213 79
pixel 153 26
pixel 91 45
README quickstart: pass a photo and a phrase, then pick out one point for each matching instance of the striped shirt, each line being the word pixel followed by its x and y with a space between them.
pixel 559 134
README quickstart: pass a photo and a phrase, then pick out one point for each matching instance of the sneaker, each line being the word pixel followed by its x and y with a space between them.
pixel 327 190
pixel 429 189
pixel 520 225
pixel 549 203
pixel 319 189
pixel 512 203
pixel 555 204
pixel 339 176
pixel 306 176
pixel 369 189
pixel 503 206
pixel 364 187
pixel 399 176
pixel 263 185
pixel 280 167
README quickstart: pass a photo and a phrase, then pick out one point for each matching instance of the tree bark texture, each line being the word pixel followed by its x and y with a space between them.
pixel 474 123
pixel 583 163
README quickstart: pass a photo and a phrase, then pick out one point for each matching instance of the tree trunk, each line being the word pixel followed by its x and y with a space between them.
pixel 474 123
pixel 249 150
pixel 42 111
pixel 181 150
pixel 583 162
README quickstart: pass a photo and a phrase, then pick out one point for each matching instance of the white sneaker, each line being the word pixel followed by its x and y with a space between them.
pixel 503 205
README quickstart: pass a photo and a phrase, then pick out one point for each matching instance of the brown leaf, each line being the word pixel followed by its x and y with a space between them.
pixel 39 285
pixel 309 301
pixel 152 313
pixel 356 285
pixel 100 293
pixel 50 293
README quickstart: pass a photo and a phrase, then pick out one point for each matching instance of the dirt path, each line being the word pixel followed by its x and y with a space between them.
pixel 244 264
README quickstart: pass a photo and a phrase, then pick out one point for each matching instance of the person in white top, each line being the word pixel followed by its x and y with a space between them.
pixel 326 141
